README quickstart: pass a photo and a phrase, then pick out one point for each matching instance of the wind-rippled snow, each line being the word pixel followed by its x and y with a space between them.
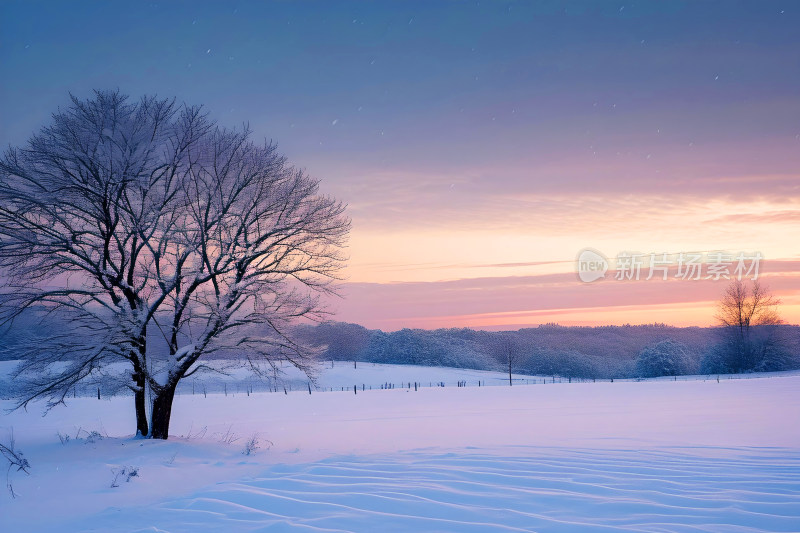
pixel 543 490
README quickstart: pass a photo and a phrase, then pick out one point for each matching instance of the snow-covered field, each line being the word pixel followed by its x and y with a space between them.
pixel 630 456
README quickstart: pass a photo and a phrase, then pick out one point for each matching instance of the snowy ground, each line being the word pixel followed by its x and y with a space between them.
pixel 631 456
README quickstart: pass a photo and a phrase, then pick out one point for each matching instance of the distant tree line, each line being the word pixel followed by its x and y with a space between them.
pixel 577 352
pixel 750 338
pixel 602 352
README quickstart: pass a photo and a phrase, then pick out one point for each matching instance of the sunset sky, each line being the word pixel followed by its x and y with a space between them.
pixel 480 146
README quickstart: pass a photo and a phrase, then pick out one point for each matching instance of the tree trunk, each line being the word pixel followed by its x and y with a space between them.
pixel 140 405
pixel 509 375
pixel 141 410
pixel 139 395
pixel 162 410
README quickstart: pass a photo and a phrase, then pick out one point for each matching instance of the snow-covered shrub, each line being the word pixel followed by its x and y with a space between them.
pixel 717 359
pixel 764 348
pixel 572 364
pixel 665 358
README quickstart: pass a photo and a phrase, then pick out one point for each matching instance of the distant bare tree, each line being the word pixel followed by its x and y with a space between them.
pixel 743 306
pixel 507 351
pixel 742 310
pixel 122 215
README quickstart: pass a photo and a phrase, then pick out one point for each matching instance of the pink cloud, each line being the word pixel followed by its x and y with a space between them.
pixel 541 297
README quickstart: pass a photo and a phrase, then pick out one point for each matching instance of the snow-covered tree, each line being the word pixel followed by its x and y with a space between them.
pixel 254 246
pixel 126 216
pixel 341 341
pixel 78 206
pixel 664 358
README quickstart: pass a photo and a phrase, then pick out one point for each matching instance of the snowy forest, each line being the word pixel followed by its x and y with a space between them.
pixel 602 352
pixel 578 352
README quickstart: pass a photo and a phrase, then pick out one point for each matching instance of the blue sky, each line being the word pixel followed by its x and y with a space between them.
pixel 467 133
pixel 416 70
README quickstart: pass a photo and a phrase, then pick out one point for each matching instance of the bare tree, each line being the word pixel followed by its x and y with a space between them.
pixel 507 352
pixel 77 207
pixel 122 215
pixel 742 310
pixel 255 247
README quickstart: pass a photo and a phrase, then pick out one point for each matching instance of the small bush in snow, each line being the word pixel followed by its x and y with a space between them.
pixel 251 445
pixel 126 472
pixel 90 438
pixel 228 437
pixel 199 434
pixel 93 437
pixel 16 462
pixel 255 443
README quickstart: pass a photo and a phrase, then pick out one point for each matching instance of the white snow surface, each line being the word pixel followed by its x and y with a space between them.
pixel 655 455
